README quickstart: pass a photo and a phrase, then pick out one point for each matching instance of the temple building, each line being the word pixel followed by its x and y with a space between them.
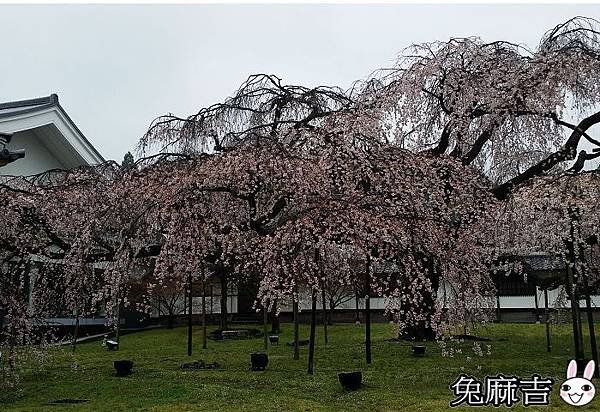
pixel 48 135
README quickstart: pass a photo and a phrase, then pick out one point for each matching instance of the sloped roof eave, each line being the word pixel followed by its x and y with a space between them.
pixel 15 109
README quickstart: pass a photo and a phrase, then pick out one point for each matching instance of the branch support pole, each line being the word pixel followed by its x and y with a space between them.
pixel 313 327
pixel 368 311
pixel 324 301
pixel 296 328
pixel 118 326
pixel 204 346
pixel 265 323
pixel 590 318
pixel 572 291
pixel 189 331
pixel 547 316
pixel 76 331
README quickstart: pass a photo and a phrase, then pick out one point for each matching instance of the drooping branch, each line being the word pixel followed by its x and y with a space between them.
pixel 581 159
pixel 567 152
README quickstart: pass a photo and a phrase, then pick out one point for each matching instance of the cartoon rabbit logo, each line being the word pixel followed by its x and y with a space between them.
pixel 578 391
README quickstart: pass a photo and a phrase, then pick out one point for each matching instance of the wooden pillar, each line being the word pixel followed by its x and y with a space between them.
pixel 368 311
pixel 590 317
pixel 118 326
pixel 357 319
pixel 75 331
pixel 189 332
pixel 323 298
pixel 575 317
pixel 537 305
pixel 296 329
pixel 204 343
pixel 498 316
pixel 313 327
pixel 548 342
pixel 572 286
pixel 265 323
pixel 275 319
pixel 224 296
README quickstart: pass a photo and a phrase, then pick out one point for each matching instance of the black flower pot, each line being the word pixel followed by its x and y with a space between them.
pixel 123 367
pixel 274 339
pixel 418 350
pixel 112 345
pixel 350 380
pixel 259 361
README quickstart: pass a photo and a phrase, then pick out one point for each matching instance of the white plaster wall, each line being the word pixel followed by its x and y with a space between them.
pixel 528 302
pixel 37 159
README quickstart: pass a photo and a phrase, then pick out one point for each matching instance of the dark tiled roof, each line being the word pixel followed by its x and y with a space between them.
pixel 544 263
pixel 26 106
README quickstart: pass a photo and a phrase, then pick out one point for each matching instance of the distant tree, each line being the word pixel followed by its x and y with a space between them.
pixel 128 161
pixel 166 298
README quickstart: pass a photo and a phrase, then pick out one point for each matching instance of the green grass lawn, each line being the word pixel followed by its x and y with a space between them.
pixel 394 381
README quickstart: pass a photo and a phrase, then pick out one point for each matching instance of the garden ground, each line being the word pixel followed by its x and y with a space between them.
pixel 394 381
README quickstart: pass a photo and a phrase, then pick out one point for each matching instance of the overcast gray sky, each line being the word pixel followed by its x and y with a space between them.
pixel 117 67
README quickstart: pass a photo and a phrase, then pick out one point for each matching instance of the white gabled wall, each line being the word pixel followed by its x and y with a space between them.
pixel 60 144
pixel 38 158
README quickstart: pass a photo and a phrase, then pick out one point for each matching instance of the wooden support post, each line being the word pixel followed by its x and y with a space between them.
pixel 323 298
pixel 204 343
pixel 537 305
pixel 313 327
pixel 357 310
pixel 265 323
pixel 212 304
pixel 296 329
pixel 590 317
pixel 368 311
pixel 498 316
pixel 75 331
pixel 118 326
pixel 548 342
pixel 575 317
pixel 189 332
pixel 572 287
pixel 275 319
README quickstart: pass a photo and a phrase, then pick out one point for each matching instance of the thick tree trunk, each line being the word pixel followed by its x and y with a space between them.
pixel 170 320
pixel 313 327
pixel 424 329
pixel 224 301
